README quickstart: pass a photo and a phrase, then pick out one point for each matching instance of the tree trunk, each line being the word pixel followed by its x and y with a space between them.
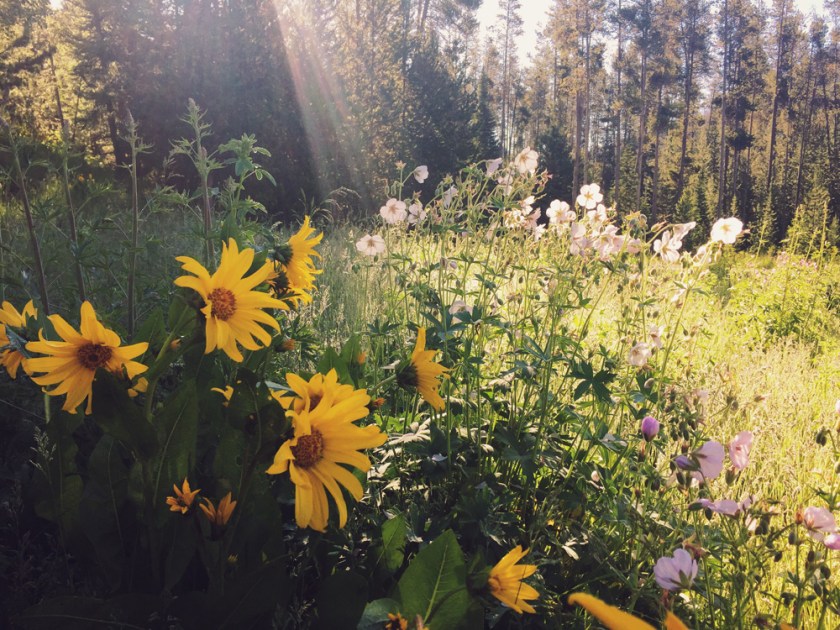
pixel 723 153
pixel 640 150
pixel 771 149
pixel 618 68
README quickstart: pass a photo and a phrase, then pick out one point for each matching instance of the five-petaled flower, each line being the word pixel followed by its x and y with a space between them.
pixel 232 309
pixel 421 173
pixel 183 499
pixel 639 355
pixel 505 581
pixel 819 522
pixel 676 572
pixel 739 450
pixel 371 245
pixel 393 211
pixel 726 231
pixel 72 363
pixel 590 196
pixel 526 161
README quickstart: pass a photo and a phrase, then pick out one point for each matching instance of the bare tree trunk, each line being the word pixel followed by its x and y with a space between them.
pixel 640 150
pixel 687 89
pixel 771 149
pixel 576 173
pixel 723 153
pixel 619 109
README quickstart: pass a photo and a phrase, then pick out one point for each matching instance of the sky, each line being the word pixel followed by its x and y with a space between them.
pixel 534 18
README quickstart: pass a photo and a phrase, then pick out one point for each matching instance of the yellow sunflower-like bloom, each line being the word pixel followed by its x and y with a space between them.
pixel 299 268
pixel 221 515
pixel 10 358
pixel 505 581
pixel 422 373
pixel 307 394
pixel 616 619
pixel 72 363
pixel 324 439
pixel 233 310
pixel 183 499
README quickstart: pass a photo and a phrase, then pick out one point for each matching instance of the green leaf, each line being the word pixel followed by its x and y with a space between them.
pixel 181 548
pixel 376 614
pixel 391 552
pixel 341 600
pixel 153 329
pixel 120 417
pixel 101 504
pixel 434 585
pixel 331 360
pixel 177 426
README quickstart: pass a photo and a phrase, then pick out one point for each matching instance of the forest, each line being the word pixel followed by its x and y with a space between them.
pixel 689 110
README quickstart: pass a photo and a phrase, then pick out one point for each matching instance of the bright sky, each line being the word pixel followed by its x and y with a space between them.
pixel 534 18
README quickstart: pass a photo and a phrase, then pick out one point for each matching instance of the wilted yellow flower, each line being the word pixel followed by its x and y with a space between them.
pixel 233 310
pixel 183 499
pixel 422 373
pixel 323 412
pixel 616 619
pixel 73 362
pixel 505 581
pixel 221 515
pixel 10 358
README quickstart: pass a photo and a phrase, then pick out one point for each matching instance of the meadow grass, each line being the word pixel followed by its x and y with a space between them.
pixel 558 339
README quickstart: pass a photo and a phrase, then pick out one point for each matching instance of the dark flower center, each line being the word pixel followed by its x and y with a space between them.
pixel 309 449
pixel 93 355
pixel 224 303
pixel 407 377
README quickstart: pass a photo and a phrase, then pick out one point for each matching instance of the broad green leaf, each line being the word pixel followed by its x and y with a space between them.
pixel 434 585
pixel 391 552
pixel 101 505
pixel 376 614
pixel 120 417
pixel 177 427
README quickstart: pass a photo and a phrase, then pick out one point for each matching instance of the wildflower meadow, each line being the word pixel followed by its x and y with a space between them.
pixel 477 407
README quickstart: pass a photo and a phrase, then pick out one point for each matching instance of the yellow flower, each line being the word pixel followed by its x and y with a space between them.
pixel 396 622
pixel 299 267
pixel 616 619
pixel 307 394
pixel 220 516
pixel 232 309
pixel 422 373
pixel 227 392
pixel 183 499
pixel 73 362
pixel 140 387
pixel 505 581
pixel 10 358
pixel 323 412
